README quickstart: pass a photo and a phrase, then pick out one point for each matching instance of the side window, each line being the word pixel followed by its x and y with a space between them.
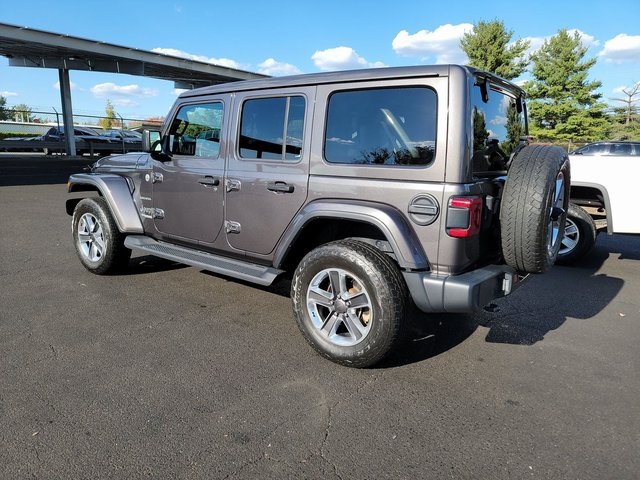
pixel 382 126
pixel 195 130
pixel 272 128
pixel 620 149
pixel 497 128
pixel 594 149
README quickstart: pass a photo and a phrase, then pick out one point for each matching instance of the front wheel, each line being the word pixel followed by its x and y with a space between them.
pixel 98 242
pixel 350 302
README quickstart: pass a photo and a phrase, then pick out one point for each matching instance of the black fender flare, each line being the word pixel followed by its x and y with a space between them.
pixel 392 223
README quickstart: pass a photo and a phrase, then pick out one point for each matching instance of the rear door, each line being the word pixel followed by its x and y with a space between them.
pixel 188 194
pixel 267 171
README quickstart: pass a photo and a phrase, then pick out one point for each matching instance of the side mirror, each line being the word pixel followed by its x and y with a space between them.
pixel 150 141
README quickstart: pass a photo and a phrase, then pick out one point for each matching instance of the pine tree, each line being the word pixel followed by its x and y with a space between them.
pixel 487 47
pixel 564 104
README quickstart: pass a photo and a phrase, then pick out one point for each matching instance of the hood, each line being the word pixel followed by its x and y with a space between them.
pixel 120 162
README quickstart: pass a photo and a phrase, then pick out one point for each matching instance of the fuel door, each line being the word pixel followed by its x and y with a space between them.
pixel 424 209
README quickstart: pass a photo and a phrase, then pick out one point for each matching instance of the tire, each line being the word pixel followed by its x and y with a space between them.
pixel 97 240
pixel 534 208
pixel 363 323
pixel 579 236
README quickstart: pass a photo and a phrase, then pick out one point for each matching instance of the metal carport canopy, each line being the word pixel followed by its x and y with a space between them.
pixel 28 47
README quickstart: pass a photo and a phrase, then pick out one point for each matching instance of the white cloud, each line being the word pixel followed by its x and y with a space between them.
pixel 587 40
pixel 535 43
pixel 276 69
pixel 8 94
pixel 125 102
pixel 73 86
pixel 443 43
pixel 341 58
pixel 629 88
pixel 222 62
pixel 622 48
pixel 178 91
pixel 104 90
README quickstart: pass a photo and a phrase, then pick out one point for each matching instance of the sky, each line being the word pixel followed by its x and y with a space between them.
pixel 290 37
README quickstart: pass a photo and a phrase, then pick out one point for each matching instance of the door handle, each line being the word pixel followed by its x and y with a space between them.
pixel 280 187
pixel 209 181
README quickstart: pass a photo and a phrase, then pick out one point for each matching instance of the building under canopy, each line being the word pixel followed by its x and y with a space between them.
pixel 28 47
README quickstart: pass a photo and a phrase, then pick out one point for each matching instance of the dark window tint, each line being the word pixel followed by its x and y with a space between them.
pixel 594 149
pixel 621 149
pixel 272 128
pixel 385 126
pixel 497 128
pixel 196 130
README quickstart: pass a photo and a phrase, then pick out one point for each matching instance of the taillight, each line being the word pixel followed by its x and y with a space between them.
pixel 464 215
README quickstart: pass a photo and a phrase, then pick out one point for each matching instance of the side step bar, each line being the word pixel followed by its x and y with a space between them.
pixel 206 261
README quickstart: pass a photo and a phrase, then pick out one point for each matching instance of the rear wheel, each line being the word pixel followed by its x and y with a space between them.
pixel 98 242
pixel 350 301
pixel 579 236
pixel 534 208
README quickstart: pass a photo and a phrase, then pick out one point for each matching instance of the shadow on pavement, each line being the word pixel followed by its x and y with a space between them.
pixel 148 264
pixel 523 318
pixel 543 304
pixel 429 336
pixel 577 291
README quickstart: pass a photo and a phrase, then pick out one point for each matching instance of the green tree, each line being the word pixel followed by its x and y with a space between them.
pixel 564 104
pixel 22 113
pixel 109 120
pixel 515 128
pixel 5 113
pixel 488 48
pixel 623 125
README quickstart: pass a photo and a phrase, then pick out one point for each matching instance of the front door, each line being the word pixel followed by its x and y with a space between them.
pixel 188 194
pixel 267 173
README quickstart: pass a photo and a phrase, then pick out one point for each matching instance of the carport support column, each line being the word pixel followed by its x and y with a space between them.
pixel 67 111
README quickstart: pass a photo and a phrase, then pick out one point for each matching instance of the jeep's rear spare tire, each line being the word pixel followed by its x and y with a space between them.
pixel 350 302
pixel 534 208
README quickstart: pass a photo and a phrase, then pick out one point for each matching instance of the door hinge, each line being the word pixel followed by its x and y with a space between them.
pixel 232 227
pixel 149 212
pixel 232 185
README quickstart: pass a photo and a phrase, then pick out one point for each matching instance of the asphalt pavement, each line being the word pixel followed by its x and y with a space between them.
pixel 170 372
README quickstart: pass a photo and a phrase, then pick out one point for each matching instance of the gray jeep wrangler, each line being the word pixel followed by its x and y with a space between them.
pixel 373 189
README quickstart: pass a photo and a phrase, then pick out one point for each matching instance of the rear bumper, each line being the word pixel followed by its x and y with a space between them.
pixel 463 293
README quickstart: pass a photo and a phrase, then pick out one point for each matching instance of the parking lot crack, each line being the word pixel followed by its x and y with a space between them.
pixel 325 440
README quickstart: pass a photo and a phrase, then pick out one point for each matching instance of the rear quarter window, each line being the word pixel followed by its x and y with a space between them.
pixel 498 124
pixel 382 126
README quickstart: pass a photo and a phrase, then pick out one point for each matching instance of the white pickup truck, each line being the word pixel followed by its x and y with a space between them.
pixel 604 197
